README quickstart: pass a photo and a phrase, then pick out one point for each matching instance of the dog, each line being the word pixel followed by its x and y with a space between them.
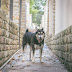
pixel 35 41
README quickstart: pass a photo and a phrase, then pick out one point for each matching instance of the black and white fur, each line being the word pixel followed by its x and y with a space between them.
pixel 35 41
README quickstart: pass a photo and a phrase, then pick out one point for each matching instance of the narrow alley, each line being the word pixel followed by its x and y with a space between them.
pixel 50 20
pixel 50 63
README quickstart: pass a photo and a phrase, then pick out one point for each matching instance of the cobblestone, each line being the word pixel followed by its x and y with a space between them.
pixel 49 62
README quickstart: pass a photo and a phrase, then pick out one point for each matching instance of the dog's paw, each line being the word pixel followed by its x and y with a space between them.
pixel 33 61
pixel 23 61
pixel 41 62
pixel 23 58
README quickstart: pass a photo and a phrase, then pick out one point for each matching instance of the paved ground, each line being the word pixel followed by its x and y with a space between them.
pixel 50 63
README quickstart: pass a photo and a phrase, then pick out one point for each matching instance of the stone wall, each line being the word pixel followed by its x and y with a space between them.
pixel 23 16
pixel 51 17
pixel 5 4
pixel 16 11
pixel 61 45
pixel 9 30
pixel 63 15
pixel 9 38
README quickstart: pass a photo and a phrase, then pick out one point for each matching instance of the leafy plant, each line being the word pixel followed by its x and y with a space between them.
pixel 37 10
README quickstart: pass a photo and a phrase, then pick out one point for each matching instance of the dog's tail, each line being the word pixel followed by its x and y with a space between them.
pixel 27 30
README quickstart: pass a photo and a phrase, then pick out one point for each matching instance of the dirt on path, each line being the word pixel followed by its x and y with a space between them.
pixel 50 62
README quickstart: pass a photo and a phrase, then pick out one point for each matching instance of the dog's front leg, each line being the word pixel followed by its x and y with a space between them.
pixel 33 58
pixel 30 52
pixel 40 55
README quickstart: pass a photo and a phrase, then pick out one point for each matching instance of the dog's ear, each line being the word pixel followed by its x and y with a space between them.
pixel 42 28
pixel 44 34
pixel 36 32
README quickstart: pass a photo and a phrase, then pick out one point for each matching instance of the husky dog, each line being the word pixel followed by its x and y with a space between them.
pixel 35 41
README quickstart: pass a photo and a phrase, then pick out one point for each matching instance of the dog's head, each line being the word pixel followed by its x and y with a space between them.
pixel 40 34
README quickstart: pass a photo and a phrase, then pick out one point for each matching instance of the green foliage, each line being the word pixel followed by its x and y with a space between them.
pixel 32 10
pixel 36 18
pixel 37 10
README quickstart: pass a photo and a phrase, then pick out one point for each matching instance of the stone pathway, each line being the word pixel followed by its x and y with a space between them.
pixel 50 63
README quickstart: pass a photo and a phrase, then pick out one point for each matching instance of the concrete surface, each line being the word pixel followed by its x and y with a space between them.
pixel 50 63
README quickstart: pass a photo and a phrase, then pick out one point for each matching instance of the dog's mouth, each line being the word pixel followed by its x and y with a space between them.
pixel 39 41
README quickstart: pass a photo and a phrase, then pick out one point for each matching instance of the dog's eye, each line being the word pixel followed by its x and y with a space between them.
pixel 38 33
pixel 41 32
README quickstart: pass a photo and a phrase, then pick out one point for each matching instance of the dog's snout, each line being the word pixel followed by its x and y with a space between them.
pixel 40 37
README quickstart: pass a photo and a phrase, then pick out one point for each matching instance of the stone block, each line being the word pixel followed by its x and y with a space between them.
pixel 70 48
pixel 66 39
pixel 21 36
pixel 56 47
pixel 63 48
pixel 1 32
pixel 6 58
pixel 7 47
pixel 60 54
pixel 1 62
pixel 16 4
pixel 58 36
pixel 63 33
pixel 62 41
pixel 69 38
pixel 2 54
pixel 6 40
pixel 10 35
pixel 5 25
pixel 7 34
pixel 2 47
pixel 14 42
pixel 15 32
pixel 6 54
pixel 11 52
pixel 11 47
pixel 70 57
pixel 66 56
pixel 68 30
pixel 66 48
pixel 16 37
pixel 14 46
pixel 1 22
pixel 11 29
pixel 17 42
pixel 2 40
pixel 4 32
pixel 71 29
pixel 9 41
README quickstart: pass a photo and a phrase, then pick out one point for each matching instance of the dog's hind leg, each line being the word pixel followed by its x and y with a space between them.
pixel 23 50
pixel 33 56
pixel 40 55
pixel 30 52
